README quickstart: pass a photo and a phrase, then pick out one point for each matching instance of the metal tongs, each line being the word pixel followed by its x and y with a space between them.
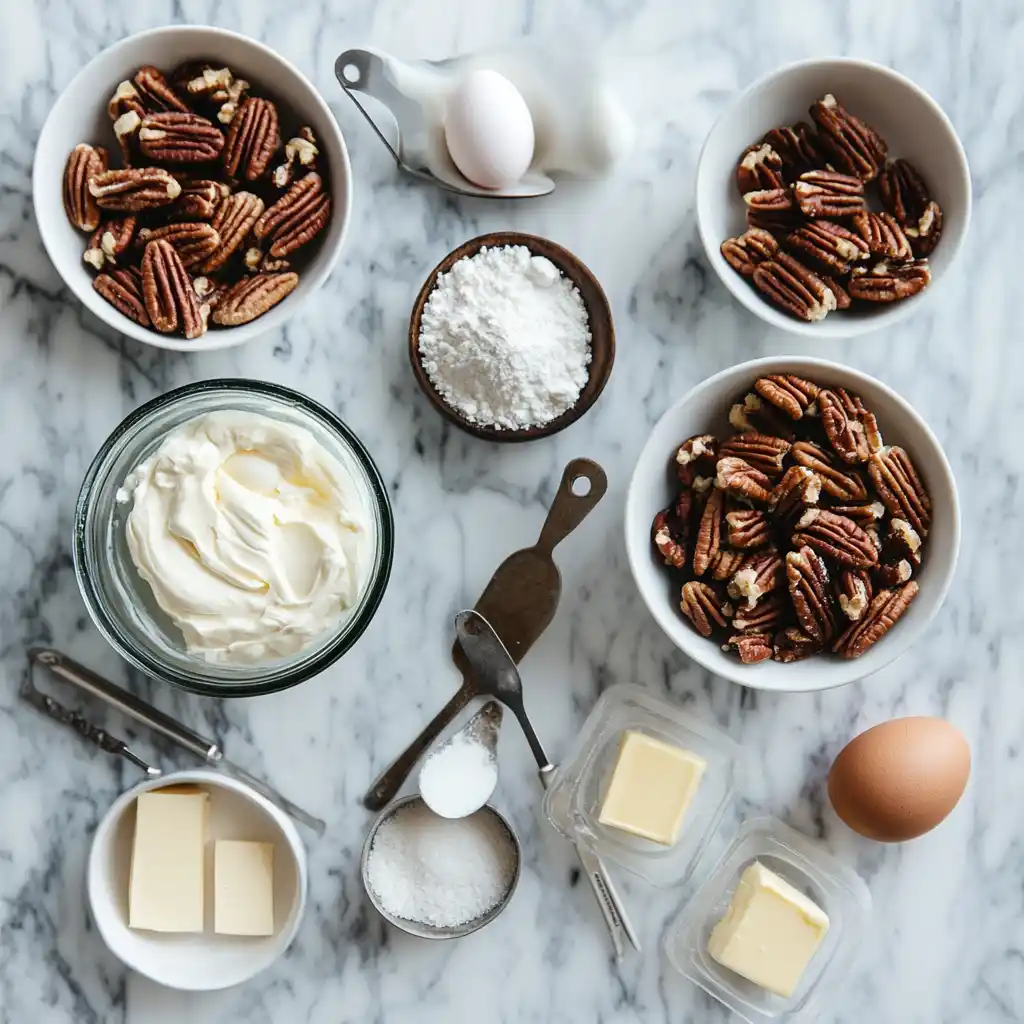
pixel 134 707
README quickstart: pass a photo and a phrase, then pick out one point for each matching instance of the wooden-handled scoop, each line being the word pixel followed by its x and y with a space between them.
pixel 519 602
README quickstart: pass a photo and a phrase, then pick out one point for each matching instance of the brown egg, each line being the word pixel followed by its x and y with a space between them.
pixel 898 780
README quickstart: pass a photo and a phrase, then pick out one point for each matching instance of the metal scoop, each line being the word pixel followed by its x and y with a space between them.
pixel 414 93
pixel 497 675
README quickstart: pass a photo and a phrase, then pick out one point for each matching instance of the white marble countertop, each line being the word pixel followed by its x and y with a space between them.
pixel 947 945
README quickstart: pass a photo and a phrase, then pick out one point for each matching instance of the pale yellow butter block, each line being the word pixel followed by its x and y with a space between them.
pixel 165 890
pixel 651 789
pixel 770 932
pixel 243 888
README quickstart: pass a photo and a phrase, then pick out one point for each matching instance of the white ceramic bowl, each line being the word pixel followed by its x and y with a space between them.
pixel 910 121
pixel 706 408
pixel 80 115
pixel 208 961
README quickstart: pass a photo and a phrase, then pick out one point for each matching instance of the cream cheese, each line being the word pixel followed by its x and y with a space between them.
pixel 253 537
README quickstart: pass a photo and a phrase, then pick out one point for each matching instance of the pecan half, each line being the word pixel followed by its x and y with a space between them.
pixel 759 167
pixel 843 486
pixel 885 610
pixel 754 414
pixel 762 451
pixel 843 298
pixel 703 607
pixel 808 583
pixel 253 139
pixel 798 490
pixel 903 541
pixel 829 194
pixel 133 189
pixel 766 614
pixel 709 532
pixel 794 644
pixel 170 299
pixel 738 477
pixel 126 131
pixel 883 235
pixel 798 148
pixel 698 454
pixel 851 429
pixel 727 563
pixel 84 163
pixel 233 220
pixel 252 297
pixel 199 198
pixel 890 282
pixel 193 241
pixel 793 395
pixel 177 138
pixel 154 91
pixel 778 222
pixel 109 241
pixel 895 572
pixel 837 537
pixel 746 251
pixel 669 536
pixel 123 290
pixel 125 99
pixel 748 528
pixel 906 196
pixel 853 146
pixel 770 200
pixel 865 514
pixel 760 573
pixel 794 288
pixel 831 246
pixel 301 151
pixel 900 488
pixel 853 592
pixel 751 647
pixel 296 218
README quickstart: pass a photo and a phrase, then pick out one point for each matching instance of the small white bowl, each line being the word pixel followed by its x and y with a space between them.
pixel 198 963
pixel 705 409
pixel 80 115
pixel 910 121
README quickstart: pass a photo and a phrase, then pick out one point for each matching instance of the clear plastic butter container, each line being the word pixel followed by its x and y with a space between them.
pixel 835 888
pixel 573 802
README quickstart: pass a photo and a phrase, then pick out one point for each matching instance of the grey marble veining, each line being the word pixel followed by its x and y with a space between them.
pixel 947 945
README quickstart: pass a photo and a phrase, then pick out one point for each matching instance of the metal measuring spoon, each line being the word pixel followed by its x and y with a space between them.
pixel 459 777
pixel 497 675
pixel 414 95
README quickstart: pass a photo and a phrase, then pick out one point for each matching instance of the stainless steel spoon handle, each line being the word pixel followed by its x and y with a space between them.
pixel 391 780
pixel 609 902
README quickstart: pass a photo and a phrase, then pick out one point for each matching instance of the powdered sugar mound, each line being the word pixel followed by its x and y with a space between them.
pixel 505 339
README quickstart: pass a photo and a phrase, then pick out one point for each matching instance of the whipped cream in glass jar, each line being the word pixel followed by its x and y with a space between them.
pixel 253 537
pixel 233 537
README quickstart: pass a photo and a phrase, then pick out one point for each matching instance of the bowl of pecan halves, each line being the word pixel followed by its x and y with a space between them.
pixel 832 197
pixel 191 187
pixel 792 524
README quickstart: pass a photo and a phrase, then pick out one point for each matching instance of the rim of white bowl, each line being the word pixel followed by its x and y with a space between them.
pixel 637 533
pixel 831 327
pixel 207 776
pixel 212 340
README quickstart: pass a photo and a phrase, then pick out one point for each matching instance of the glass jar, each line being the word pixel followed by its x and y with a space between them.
pixel 121 602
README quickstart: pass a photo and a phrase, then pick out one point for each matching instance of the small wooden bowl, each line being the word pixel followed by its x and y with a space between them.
pixel 602 331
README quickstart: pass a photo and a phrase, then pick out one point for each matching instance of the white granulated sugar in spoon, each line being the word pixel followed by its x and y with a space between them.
pixel 505 339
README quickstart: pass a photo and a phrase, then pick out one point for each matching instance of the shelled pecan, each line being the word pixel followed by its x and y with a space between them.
pixel 793 287
pixel 697 455
pixel 746 251
pixel 906 196
pixel 798 149
pixel 762 451
pixel 296 218
pixel 748 528
pixel 709 532
pixel 703 607
pixel 123 290
pixel 900 488
pixel 885 610
pixel 751 647
pixel 853 146
pixel 851 429
pixel 252 297
pixel 179 138
pixel 890 282
pixel 110 241
pixel 84 164
pixel 837 483
pixel 253 139
pixel 669 536
pixel 836 537
pixel 793 395
pixel 170 299
pixel 808 582
pixel 829 194
pixel 134 189
pixel 760 167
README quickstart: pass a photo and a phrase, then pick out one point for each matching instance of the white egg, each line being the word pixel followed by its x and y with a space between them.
pixel 489 130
